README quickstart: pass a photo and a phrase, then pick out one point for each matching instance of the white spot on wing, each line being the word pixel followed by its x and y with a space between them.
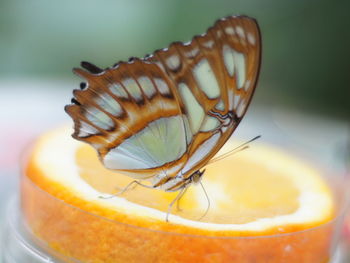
pixel 86 129
pixel 240 109
pixel 209 44
pixel 228 59
pixel 229 31
pixel 206 79
pixel 99 118
pixel 194 110
pixel 162 86
pixel 239 61
pixel 235 62
pixel 233 100
pixel 173 62
pixel 230 99
pixel 240 31
pixel 109 104
pixel 147 86
pixel 192 53
pixel 118 90
pixel 247 85
pixel 133 88
pixel 251 39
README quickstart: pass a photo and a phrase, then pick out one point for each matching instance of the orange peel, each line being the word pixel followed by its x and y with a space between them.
pixel 266 206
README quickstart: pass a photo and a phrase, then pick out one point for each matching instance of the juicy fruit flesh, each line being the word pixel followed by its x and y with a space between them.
pixel 239 191
pixel 255 192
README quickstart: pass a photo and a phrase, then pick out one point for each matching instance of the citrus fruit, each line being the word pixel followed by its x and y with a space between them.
pixel 258 198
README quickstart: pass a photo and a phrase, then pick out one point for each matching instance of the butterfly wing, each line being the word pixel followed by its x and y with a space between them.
pixel 191 98
pixel 131 115
pixel 215 75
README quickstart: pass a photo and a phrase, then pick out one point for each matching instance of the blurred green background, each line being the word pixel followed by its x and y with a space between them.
pixel 306 44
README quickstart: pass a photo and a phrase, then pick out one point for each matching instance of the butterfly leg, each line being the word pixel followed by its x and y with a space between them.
pixel 180 194
pixel 131 185
pixel 178 200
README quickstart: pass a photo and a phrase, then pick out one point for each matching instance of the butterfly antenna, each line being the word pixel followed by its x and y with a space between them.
pixel 228 154
pixel 239 148
pixel 208 206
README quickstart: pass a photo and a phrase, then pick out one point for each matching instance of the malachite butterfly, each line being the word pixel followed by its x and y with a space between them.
pixel 163 117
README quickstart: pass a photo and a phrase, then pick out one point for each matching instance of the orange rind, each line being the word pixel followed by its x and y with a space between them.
pixel 265 206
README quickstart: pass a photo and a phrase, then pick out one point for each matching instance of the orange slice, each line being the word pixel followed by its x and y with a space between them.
pixel 258 192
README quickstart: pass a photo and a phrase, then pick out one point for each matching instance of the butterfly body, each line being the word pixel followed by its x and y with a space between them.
pixel 162 118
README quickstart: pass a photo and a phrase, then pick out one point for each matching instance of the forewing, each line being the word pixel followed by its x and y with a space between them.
pixel 215 76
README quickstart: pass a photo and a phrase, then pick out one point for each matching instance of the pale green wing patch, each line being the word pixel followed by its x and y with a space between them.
pixel 160 142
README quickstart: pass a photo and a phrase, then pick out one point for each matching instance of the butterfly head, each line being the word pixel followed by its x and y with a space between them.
pixel 196 176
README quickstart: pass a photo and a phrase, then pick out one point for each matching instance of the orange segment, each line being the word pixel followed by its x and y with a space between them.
pixel 261 191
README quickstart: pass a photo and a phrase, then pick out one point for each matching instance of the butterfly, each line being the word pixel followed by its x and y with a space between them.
pixel 163 117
